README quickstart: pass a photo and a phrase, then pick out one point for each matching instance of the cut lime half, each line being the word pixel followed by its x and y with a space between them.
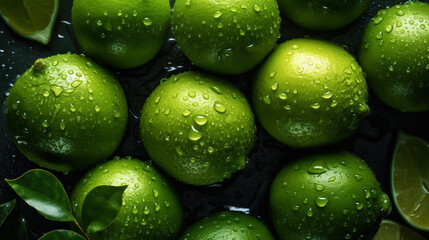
pixel 410 180
pixel 390 230
pixel 32 19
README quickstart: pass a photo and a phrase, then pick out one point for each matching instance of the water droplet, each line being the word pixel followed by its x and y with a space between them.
pixel 318 167
pixel 319 187
pixel 389 28
pixel 282 96
pixel 135 210
pixel 218 14
pixel 186 112
pixel 200 120
pixel 155 193
pixel 45 123
pixel 358 177
pixel 400 13
pixel 321 201
pixel 99 22
pixel 272 74
pixel 315 105
pixel 146 210
pixel 359 205
pixel 62 125
pixel 310 212
pixel 378 20
pixel 257 8
pixel 331 179
pixel 327 95
pixel 57 90
pixel 194 134
pixel 147 21
pixel 219 107
pixel 295 208
pixel 216 90
pixel 274 86
pixel 97 108
pixel 179 150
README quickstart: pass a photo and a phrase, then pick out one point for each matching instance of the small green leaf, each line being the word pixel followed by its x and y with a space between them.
pixel 14 226
pixel 61 234
pixel 5 210
pixel 44 192
pixel 101 206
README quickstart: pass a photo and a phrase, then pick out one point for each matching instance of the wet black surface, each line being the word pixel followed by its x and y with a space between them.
pixel 246 190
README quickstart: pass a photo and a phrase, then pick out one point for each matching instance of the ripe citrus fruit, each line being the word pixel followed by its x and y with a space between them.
pixel 322 15
pixel 31 19
pixel 310 93
pixel 227 37
pixel 395 55
pixel 410 180
pixel 66 112
pixel 228 225
pixel 151 209
pixel 123 35
pixel 198 128
pixel 327 196
pixel 390 230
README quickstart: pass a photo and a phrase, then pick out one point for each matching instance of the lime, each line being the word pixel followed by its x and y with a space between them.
pixel 227 37
pixel 151 209
pixel 323 15
pixel 198 128
pixel 310 93
pixel 327 196
pixel 410 180
pixel 66 112
pixel 395 55
pixel 123 35
pixel 228 225
pixel 390 230
pixel 32 19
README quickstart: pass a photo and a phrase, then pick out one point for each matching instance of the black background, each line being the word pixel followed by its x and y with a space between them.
pixel 247 189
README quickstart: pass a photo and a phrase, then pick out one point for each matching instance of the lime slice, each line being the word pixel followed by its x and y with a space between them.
pixel 32 19
pixel 390 230
pixel 410 180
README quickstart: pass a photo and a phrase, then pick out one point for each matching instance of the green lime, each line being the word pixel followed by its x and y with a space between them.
pixel 228 225
pixel 323 15
pixel 31 19
pixel 66 112
pixel 390 230
pixel 395 55
pixel 198 128
pixel 151 209
pixel 327 196
pixel 310 93
pixel 121 34
pixel 410 180
pixel 227 37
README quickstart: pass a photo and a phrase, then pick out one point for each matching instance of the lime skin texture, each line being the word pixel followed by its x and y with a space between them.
pixel 322 15
pixel 151 208
pixel 198 128
pixel 310 93
pixel 327 196
pixel 395 55
pixel 228 225
pixel 66 113
pixel 226 37
pixel 122 34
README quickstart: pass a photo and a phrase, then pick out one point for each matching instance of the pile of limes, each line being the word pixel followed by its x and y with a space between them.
pixel 67 112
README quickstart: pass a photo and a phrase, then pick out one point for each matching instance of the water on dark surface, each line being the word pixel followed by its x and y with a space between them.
pixel 246 190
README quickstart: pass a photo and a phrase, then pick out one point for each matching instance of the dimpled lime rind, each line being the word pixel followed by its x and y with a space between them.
pixel 310 93
pixel 121 34
pixel 67 113
pixel 151 209
pixel 228 225
pixel 198 128
pixel 395 55
pixel 323 15
pixel 328 196
pixel 226 37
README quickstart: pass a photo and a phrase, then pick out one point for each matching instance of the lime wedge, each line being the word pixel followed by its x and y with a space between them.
pixel 32 19
pixel 390 230
pixel 410 180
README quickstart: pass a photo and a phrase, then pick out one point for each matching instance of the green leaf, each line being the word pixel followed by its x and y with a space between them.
pixel 14 226
pixel 101 206
pixel 62 235
pixel 44 192
pixel 5 210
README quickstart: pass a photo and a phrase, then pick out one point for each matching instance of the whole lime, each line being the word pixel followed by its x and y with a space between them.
pixel 323 15
pixel 121 34
pixel 395 55
pixel 198 128
pixel 327 196
pixel 151 209
pixel 228 225
pixel 227 37
pixel 66 112
pixel 310 93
